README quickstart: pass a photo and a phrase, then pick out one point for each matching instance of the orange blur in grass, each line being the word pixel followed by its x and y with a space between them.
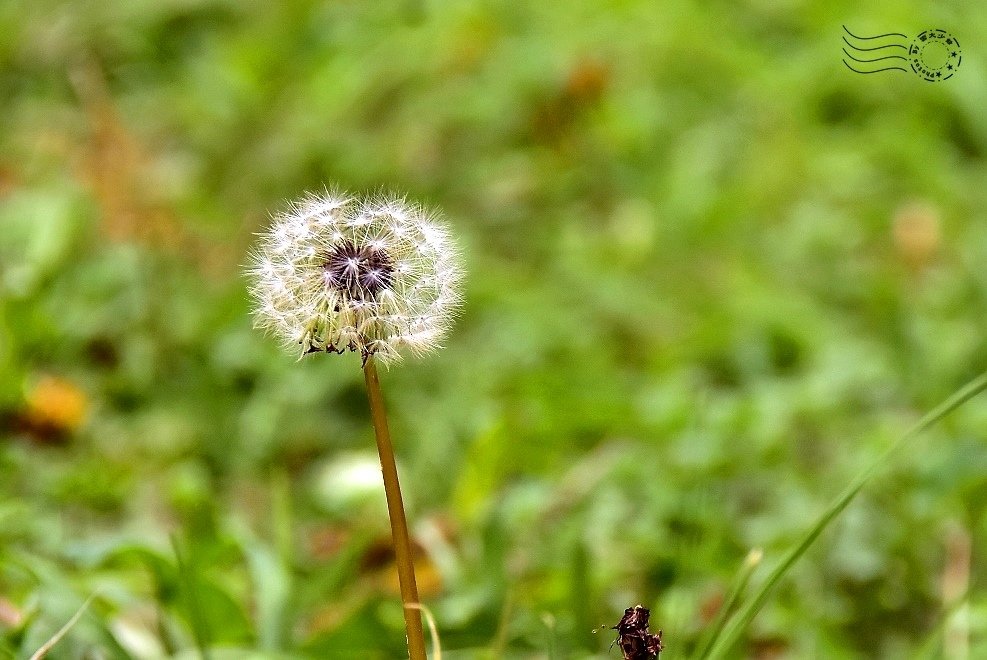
pixel 56 404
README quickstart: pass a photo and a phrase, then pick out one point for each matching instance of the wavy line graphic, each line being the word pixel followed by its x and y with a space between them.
pixel 890 68
pixel 876 59
pixel 876 47
pixel 868 52
pixel 880 36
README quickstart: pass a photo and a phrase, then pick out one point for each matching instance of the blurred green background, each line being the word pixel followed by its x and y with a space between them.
pixel 711 275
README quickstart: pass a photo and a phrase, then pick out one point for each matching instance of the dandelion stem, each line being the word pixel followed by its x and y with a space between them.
pixel 395 511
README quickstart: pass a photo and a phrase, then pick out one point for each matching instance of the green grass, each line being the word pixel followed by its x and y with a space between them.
pixel 712 276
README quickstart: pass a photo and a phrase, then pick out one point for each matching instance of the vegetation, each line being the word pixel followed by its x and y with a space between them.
pixel 712 276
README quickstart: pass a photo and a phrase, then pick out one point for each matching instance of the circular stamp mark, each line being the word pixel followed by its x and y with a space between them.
pixel 935 55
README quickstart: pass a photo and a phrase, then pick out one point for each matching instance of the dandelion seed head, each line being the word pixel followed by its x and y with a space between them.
pixel 336 273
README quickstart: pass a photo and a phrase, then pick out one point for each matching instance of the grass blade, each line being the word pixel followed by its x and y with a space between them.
pixel 751 562
pixel 750 609
pixel 433 629
pixel 188 582
pixel 57 637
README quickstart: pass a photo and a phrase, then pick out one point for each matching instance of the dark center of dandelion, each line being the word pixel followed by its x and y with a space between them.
pixel 360 272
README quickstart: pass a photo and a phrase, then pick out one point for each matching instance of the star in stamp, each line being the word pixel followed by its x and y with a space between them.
pixel 934 55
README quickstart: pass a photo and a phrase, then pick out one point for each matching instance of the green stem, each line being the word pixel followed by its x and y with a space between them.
pixel 395 511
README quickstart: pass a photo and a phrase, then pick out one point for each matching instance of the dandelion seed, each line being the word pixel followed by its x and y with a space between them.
pixel 335 273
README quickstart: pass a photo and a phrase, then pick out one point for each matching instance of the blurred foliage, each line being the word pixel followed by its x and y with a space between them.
pixel 712 273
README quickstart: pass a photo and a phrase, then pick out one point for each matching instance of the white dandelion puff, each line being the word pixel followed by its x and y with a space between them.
pixel 336 273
